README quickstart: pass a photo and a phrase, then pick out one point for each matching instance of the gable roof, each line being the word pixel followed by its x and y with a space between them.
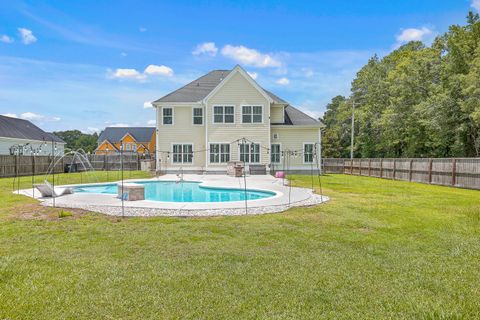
pixel 24 129
pixel 200 88
pixel 115 134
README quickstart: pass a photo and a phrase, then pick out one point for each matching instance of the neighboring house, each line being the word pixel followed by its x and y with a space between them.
pixel 198 126
pixel 21 137
pixel 139 140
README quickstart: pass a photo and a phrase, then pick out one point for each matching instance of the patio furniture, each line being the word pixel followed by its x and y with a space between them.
pixel 257 169
pixel 280 174
pixel 131 191
pixel 48 191
pixel 235 168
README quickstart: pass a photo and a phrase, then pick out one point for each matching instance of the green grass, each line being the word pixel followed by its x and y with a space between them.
pixel 378 249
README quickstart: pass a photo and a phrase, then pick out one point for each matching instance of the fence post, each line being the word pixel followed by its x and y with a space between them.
pixel 369 167
pixel 351 166
pixel 410 170
pixel 454 171
pixel 381 168
pixel 430 164
pixel 343 166
pixel 394 168
pixel 138 162
pixel 360 167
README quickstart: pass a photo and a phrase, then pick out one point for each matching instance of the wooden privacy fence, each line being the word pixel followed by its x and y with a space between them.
pixel 456 172
pixel 11 166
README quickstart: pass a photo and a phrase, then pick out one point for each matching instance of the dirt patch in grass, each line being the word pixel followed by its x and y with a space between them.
pixel 35 211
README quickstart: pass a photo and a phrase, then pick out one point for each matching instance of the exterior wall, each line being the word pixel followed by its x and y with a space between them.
pixel 277 113
pixel 293 138
pixel 237 92
pixel 181 131
pixel 46 147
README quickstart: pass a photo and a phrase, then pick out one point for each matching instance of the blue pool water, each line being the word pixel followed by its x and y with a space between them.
pixel 181 192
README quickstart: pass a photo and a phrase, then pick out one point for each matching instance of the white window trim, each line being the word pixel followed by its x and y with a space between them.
pixel 252 105
pixel 281 149
pixel 182 163
pixel 224 105
pixel 203 116
pixel 229 153
pixel 313 153
pixel 173 116
pixel 259 153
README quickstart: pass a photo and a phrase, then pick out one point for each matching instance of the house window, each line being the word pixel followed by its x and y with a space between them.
pixel 182 153
pixel 308 152
pixel 219 152
pixel 223 114
pixel 275 153
pixel 197 116
pixel 252 114
pixel 134 148
pixel 250 153
pixel 167 115
pixel 129 147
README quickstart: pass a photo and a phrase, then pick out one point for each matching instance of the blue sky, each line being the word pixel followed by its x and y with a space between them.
pixel 90 64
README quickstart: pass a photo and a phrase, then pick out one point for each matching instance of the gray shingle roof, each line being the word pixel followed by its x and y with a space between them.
pixel 24 129
pixel 198 89
pixel 115 134
pixel 295 117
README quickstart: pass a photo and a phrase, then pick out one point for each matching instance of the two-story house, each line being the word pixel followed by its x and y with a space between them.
pixel 226 116
pixel 139 140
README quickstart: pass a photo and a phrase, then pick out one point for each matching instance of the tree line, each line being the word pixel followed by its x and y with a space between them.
pixel 76 140
pixel 418 101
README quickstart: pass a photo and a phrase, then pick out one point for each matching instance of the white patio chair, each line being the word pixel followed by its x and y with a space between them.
pixel 47 190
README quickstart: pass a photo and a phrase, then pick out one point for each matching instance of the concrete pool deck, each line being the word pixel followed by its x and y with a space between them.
pixel 109 204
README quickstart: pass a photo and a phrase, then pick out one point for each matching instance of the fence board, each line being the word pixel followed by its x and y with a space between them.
pixel 458 172
pixel 10 166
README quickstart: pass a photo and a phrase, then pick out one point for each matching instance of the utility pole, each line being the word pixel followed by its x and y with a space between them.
pixel 353 129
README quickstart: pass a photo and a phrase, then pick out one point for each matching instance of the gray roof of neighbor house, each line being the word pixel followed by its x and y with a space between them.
pixel 198 89
pixel 115 134
pixel 24 129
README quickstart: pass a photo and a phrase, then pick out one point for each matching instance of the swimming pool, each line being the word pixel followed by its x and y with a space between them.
pixel 172 191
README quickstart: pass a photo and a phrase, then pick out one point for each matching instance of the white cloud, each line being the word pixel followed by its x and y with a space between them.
pixel 151 122
pixel 11 115
pixel 123 54
pixel 250 57
pixel 147 105
pixel 6 39
pixel 31 116
pixel 413 34
pixel 119 125
pixel 128 74
pixel 142 29
pixel 207 48
pixel 27 36
pixel 254 75
pixel 475 4
pixel 158 70
pixel 283 81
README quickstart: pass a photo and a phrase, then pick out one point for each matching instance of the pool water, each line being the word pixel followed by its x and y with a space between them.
pixel 171 191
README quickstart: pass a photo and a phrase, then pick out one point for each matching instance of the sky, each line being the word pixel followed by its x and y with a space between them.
pixel 87 65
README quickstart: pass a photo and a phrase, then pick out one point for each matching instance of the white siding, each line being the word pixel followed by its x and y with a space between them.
pixel 182 131
pixel 293 139
pixel 277 113
pixel 237 91
pixel 6 143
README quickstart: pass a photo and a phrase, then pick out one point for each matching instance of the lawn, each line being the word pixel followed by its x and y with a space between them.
pixel 378 249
